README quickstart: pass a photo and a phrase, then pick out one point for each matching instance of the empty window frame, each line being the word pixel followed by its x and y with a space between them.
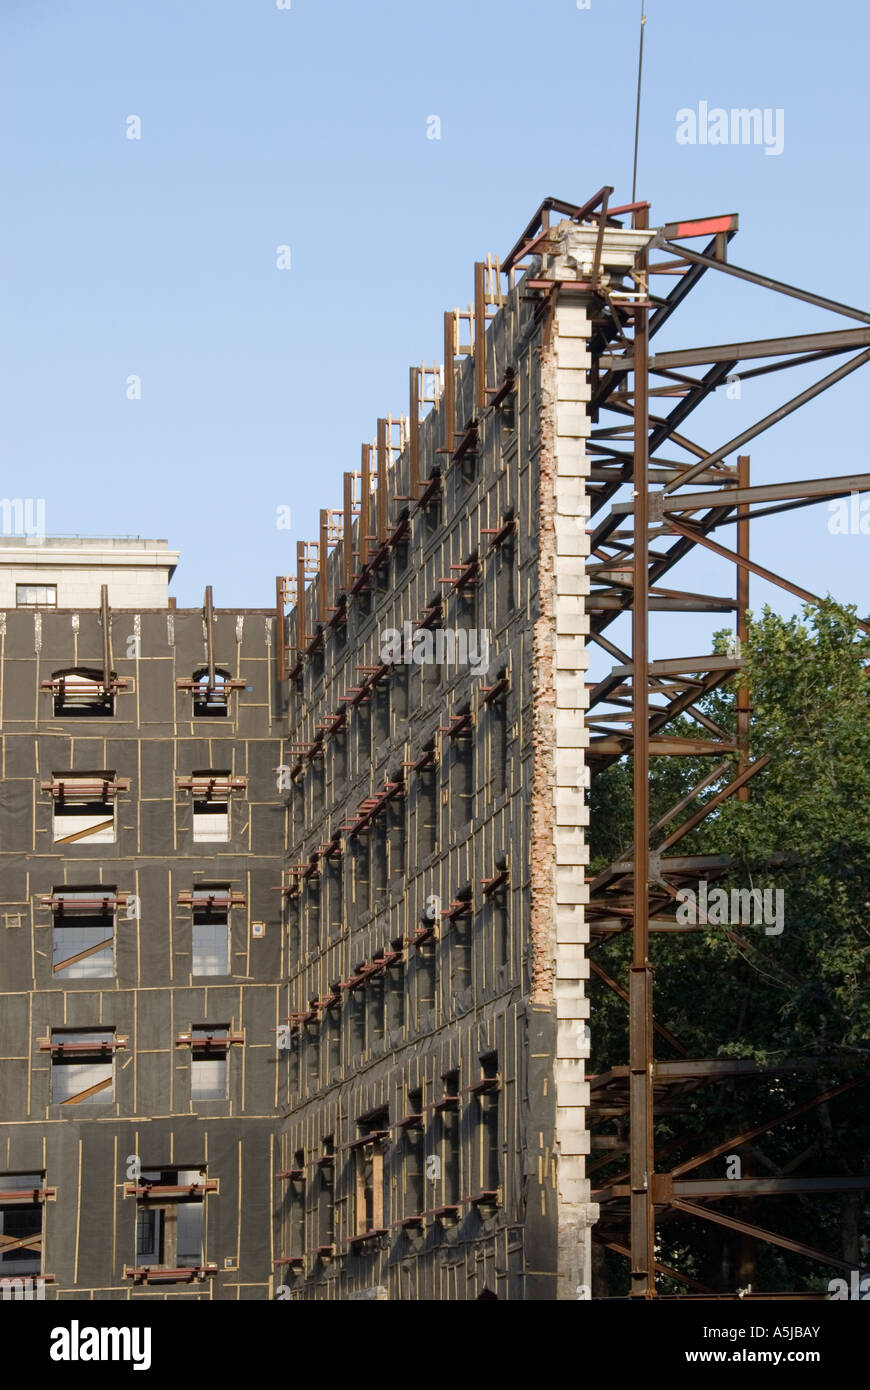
pixel 413 1158
pixel 338 744
pixel 461 943
pixel 379 861
pixel 461 774
pixel 424 970
pixel 363 722
pixel 400 677
pixel 370 1187
pixel 497 729
pixel 380 706
pixel 333 887
pixel 325 1197
pixel 169 1231
pixel 208 1063
pixel 211 931
pixel 498 909
pixel 82 1066
pixel 311 1036
pixel 467 600
pixel 312 914
pixel 395 989
pixel 294 1233
pixel 83 933
pixel 317 781
pixel 448 1138
pixel 505 575
pixel 394 815
pixel 210 698
pixel 427 810
pixel 332 1024
pixel 356 1018
pixel 361 872
pixel 211 790
pixel 486 1177
pixel 81 693
pixel 36 596
pixel 375 993
pixel 21 1225
pixel 83 807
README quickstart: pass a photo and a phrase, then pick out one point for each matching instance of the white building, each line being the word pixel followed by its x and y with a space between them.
pixel 68 571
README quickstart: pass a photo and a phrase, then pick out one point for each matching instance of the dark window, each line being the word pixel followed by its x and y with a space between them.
pixel 462 777
pixel 326 1194
pixel 361 872
pixel 333 881
pixel 210 697
pixel 413 1158
pixel 427 810
pixel 425 972
pixel 450 1142
pixel 461 937
pixel 20 1226
pixel 81 693
pixel 505 579
pixel 498 727
pixel 312 913
pixel 169 1231
pixel 395 991
pixel 339 760
pixel 381 711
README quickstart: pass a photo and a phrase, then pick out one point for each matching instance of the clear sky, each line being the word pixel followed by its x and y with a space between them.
pixel 306 127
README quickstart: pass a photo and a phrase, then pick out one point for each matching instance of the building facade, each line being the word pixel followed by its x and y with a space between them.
pixel 435 1142
pixel 140 941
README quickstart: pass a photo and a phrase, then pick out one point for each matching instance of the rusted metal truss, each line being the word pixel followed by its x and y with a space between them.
pixel 682 491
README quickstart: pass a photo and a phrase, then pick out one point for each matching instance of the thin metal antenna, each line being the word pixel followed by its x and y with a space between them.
pixel 637 110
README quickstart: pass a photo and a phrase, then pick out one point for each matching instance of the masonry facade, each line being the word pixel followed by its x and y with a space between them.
pixel 435 1141
pixel 140 951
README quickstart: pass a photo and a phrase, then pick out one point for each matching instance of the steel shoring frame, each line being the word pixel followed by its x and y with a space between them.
pixel 632 886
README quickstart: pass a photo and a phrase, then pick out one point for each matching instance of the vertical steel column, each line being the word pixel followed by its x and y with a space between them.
pixel 742 605
pixel 280 643
pixel 208 614
pixel 479 335
pixel 448 404
pixel 301 634
pixel 107 645
pixel 347 539
pixel 365 498
pixel 323 563
pixel 642 1153
pixel 383 457
pixel 414 408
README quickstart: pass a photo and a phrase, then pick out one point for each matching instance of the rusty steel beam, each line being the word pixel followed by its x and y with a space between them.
pixel 105 618
pixel 347 539
pixel 766 282
pixel 414 438
pixel 383 456
pixel 641 1140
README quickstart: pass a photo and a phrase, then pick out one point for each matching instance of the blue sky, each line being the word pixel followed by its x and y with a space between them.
pixel 306 127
